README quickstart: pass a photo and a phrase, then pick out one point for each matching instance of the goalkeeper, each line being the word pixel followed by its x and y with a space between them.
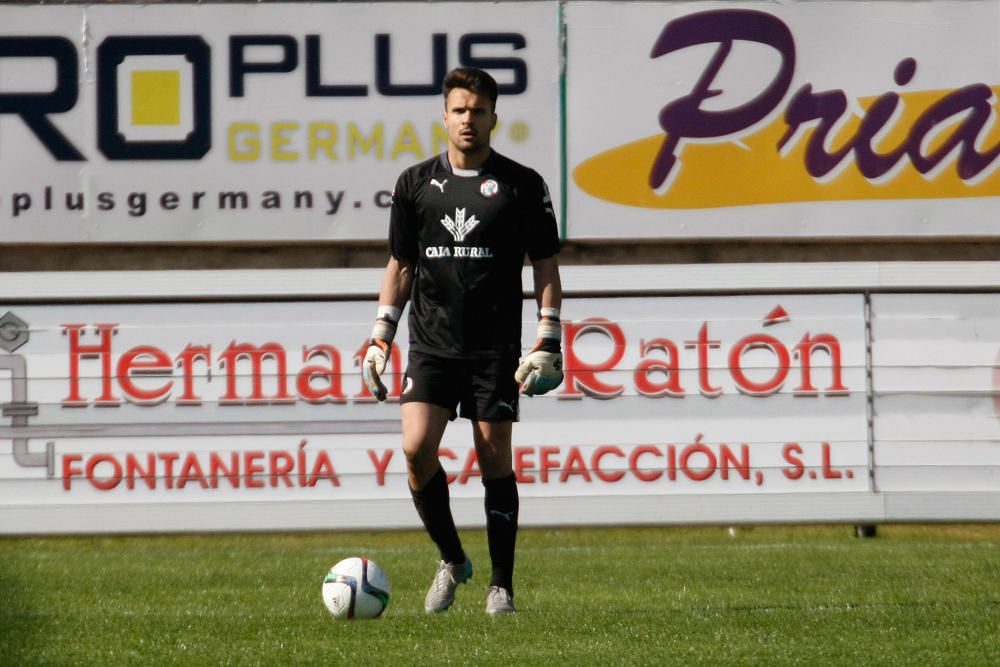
pixel 460 227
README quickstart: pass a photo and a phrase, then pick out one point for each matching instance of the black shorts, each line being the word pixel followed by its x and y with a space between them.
pixel 485 389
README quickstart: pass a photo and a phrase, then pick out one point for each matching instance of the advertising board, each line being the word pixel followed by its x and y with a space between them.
pixel 803 119
pixel 245 405
pixel 215 123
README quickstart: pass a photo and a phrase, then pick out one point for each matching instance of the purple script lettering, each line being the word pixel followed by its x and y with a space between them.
pixel 973 102
pixel 683 117
pixel 964 112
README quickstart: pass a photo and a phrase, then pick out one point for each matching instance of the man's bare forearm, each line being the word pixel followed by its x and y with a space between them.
pixel 396 283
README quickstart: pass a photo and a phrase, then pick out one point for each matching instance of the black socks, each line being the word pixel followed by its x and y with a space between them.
pixel 501 528
pixel 434 507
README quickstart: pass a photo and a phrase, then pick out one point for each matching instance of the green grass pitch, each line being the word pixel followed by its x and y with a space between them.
pixel 914 595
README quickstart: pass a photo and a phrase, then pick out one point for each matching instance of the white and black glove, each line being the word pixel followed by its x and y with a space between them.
pixel 377 355
pixel 541 369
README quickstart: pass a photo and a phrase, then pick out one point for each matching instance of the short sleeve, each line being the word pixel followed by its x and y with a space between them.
pixel 541 227
pixel 403 223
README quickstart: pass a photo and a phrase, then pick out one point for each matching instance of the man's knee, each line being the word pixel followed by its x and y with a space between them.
pixel 419 457
pixel 494 456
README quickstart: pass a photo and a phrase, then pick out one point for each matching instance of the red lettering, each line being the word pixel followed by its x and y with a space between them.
pixel 133 470
pixel 791 452
pixel 323 469
pixel 232 473
pixel 644 475
pixel 670 368
pixel 191 472
pixel 575 465
pixel 302 462
pixel 595 463
pixel 185 360
pixel 381 465
pixel 251 468
pixel 106 471
pixel 729 460
pixel 704 344
pixel 144 360
pixel 328 377
pixel 100 351
pixel 804 350
pixel 282 463
pixel 168 459
pixel 685 461
pixel 103 484
pixel 581 378
pixel 256 355
pixel 828 471
pixel 548 460
pixel 752 342
pixel 69 471
pixel 523 465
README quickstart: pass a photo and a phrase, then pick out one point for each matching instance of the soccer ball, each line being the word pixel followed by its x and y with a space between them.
pixel 356 588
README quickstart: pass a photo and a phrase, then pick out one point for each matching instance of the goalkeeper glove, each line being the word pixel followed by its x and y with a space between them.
pixel 377 354
pixel 541 370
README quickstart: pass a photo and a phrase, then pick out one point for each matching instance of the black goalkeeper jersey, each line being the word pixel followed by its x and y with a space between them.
pixel 467 236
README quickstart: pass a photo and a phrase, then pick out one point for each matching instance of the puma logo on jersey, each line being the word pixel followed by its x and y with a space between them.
pixel 459 227
pixel 439 184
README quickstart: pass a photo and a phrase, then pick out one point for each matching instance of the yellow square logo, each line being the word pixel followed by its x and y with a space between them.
pixel 156 97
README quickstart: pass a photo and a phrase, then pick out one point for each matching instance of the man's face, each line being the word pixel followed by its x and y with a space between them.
pixel 469 119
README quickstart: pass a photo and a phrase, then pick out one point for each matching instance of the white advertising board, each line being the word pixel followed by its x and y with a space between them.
pixel 195 411
pixel 279 122
pixel 800 119
pixel 936 383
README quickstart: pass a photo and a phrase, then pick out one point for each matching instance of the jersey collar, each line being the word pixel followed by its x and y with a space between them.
pixel 487 165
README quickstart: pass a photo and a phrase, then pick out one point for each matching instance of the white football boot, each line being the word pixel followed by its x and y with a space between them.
pixel 441 594
pixel 499 601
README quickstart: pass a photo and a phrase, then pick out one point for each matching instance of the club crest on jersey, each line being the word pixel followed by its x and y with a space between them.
pixel 459 227
pixel 488 188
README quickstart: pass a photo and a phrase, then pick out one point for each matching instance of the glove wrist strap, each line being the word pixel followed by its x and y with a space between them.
pixel 386 320
pixel 549 326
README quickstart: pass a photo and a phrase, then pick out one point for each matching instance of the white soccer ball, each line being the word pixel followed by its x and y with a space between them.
pixel 356 588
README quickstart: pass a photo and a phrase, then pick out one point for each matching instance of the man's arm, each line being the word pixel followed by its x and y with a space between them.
pixel 548 287
pixel 541 370
pixel 393 295
pixel 396 284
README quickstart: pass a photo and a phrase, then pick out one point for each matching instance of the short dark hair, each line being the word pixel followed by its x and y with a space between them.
pixel 474 80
